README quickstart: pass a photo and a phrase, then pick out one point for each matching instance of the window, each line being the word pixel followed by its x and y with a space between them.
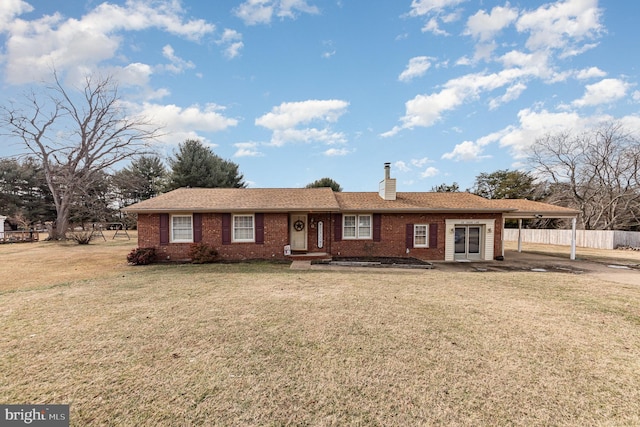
pixel 181 228
pixel 243 228
pixel 356 226
pixel 421 236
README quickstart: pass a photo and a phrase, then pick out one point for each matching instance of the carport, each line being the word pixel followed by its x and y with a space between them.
pixel 527 209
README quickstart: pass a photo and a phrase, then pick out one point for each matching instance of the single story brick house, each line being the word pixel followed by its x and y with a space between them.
pixel 279 223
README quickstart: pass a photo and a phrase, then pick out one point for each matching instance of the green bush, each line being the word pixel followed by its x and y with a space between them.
pixel 202 253
pixel 142 256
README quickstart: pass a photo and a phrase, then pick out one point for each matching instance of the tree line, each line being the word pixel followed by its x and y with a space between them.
pixel 596 172
pixel 26 198
pixel 75 140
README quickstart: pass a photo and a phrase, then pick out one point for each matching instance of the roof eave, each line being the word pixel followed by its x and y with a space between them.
pixel 539 215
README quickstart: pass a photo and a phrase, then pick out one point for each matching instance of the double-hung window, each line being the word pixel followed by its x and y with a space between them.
pixel 181 228
pixel 356 227
pixel 243 228
pixel 421 235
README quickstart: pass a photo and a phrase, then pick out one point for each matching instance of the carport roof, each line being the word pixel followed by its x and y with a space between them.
pixel 522 208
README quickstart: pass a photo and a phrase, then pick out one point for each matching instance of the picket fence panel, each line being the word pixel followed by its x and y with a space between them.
pixel 597 239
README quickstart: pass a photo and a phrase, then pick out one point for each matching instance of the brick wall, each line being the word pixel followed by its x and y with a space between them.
pixel 393 237
pixel 276 236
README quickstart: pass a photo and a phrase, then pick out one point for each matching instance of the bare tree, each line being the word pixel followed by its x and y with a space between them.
pixel 596 172
pixel 76 135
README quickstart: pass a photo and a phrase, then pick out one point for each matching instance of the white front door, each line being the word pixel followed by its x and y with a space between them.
pixel 298 232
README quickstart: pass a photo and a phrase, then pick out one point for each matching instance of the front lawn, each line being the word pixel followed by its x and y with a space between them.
pixel 259 344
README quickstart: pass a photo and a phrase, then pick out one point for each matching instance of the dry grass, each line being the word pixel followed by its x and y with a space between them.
pixel 261 344
pixel 29 265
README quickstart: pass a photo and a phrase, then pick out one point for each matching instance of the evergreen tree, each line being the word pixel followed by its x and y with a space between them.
pixel 325 182
pixel 505 184
pixel 195 165
pixel 144 178
pixel 24 192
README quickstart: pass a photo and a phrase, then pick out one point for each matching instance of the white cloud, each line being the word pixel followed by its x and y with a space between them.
pixel 417 67
pixel 178 65
pixel 429 172
pixel 291 114
pixel 34 47
pixel 589 73
pixel 401 166
pixel 604 92
pixel 290 121
pixel 281 137
pixel 333 152
pixel 435 10
pixel 231 40
pixel 425 110
pixel 465 151
pixel 254 12
pixel 473 150
pixel 561 24
pixel 513 92
pixel 536 124
pixel 9 9
pixel 184 123
pixel 420 162
pixel 134 74
pixel 433 26
pixel 636 96
pixel 484 26
pixel 247 149
pixel 425 7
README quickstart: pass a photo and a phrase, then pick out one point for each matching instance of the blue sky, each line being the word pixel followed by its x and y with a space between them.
pixel 296 90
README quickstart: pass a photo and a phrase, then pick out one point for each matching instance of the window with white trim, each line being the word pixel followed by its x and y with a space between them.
pixel 356 227
pixel 421 236
pixel 181 228
pixel 244 228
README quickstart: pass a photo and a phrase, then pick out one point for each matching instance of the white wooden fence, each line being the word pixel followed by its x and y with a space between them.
pixel 598 239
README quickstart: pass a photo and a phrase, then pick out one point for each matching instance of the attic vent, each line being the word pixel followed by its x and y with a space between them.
pixel 387 189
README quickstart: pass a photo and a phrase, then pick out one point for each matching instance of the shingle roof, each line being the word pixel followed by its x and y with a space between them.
pixel 325 200
pixel 416 202
pixel 240 199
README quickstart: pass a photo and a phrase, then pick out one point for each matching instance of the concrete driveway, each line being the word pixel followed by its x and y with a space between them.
pixel 625 272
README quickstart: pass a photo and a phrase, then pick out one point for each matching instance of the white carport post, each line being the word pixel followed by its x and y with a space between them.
pixel 573 239
pixel 519 234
